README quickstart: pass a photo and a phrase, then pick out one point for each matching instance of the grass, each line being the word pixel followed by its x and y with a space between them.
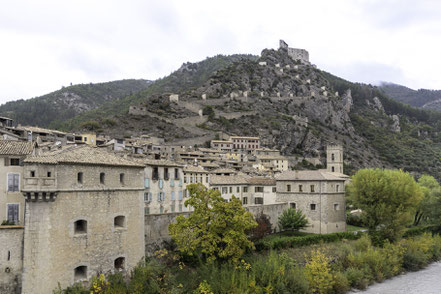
pixel 351 228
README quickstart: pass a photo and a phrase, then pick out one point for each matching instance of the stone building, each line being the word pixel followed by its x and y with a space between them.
pixel 294 53
pixel 250 190
pixel 334 158
pixel 84 216
pixel 271 163
pixel 224 145
pixel 196 174
pixel 248 144
pixel 163 187
pixel 320 195
pixel 12 154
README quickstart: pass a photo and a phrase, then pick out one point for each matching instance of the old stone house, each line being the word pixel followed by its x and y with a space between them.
pixel 163 187
pixel 320 195
pixel 84 216
pixel 12 154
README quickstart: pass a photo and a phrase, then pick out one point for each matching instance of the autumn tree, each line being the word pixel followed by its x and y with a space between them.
pixel 292 220
pixel 388 199
pixel 216 228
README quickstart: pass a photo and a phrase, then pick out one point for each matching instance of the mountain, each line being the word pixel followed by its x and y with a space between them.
pixel 292 106
pixel 50 109
pixel 429 99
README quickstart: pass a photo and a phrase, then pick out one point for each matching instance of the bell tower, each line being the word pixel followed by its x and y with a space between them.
pixel 334 158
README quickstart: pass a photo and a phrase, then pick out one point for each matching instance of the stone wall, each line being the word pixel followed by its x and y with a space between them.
pixel 138 110
pixel 11 259
pixel 156 225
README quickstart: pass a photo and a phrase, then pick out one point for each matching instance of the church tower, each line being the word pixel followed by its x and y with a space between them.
pixel 334 158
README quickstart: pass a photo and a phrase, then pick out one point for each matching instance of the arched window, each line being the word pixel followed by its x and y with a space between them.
pixel 80 178
pixel 119 221
pixel 80 273
pixel 102 178
pixel 80 227
pixel 120 263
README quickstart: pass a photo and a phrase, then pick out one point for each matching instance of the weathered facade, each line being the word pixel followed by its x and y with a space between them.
pixel 319 195
pixel 84 215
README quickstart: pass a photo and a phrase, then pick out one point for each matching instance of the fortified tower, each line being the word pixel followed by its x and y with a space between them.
pixel 294 53
pixel 334 158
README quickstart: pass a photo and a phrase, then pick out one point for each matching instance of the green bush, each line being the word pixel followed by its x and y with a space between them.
pixel 296 241
pixel 356 278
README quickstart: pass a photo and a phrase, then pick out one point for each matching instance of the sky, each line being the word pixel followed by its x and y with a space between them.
pixel 45 45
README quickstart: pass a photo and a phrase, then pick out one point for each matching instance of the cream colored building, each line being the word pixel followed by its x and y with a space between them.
pixel 84 216
pixel 271 163
pixel 163 187
pixel 319 195
pixel 12 203
pixel 250 190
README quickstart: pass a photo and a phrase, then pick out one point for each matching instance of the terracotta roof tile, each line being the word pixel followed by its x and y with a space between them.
pixel 10 147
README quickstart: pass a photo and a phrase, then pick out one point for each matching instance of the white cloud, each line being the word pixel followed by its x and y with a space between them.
pixel 47 44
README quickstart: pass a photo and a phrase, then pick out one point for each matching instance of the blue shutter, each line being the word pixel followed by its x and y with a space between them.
pixel 161 184
pixel 180 182
pixel 180 195
pixel 172 195
pixel 150 196
pixel 159 196
pixel 172 183
pixel 147 183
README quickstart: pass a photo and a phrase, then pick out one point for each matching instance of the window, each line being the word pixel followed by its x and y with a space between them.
pixel 180 207
pixel 206 179
pixel 176 174
pixel 13 182
pixel 300 188
pixel 274 190
pixel 80 227
pixel 332 157
pixel 200 179
pixel 13 213
pixel 224 190
pixel 245 200
pixel 288 188
pixel 121 179
pixel 148 196
pixel 237 189
pixel 312 189
pixel 80 273
pixel 166 175
pixel 49 174
pixel 147 210
pixel 32 173
pixel 258 189
pixel 185 180
pixel 80 178
pixel 293 205
pixel 161 196
pixel 172 208
pixel 245 189
pixel 161 209
pixel 231 190
pixel 119 221
pixel 313 206
pixel 337 187
pixel 336 206
pixel 155 174
pixel 15 161
pixel 102 178
pixel 180 195
pixel 332 169
pixel 119 263
pixel 258 200
pixel 172 195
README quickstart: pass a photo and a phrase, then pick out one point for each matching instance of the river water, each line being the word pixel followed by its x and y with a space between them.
pixel 426 281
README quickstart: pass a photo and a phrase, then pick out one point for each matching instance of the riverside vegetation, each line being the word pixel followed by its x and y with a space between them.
pixel 287 262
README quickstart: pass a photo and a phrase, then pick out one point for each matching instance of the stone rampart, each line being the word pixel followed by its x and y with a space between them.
pixel 11 258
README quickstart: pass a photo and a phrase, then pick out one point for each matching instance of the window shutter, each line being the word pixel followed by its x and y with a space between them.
pixel 161 184
pixel 16 182
pixel 150 196
pixel 180 195
pixel 159 196
pixel 172 183
pixel 10 182
pixel 172 195
pixel 6 161
pixel 147 183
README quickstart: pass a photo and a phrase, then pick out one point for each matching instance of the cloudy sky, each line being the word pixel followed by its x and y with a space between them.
pixel 47 44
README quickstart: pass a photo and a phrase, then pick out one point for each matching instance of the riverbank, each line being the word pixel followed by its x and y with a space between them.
pixel 425 281
pixel 333 267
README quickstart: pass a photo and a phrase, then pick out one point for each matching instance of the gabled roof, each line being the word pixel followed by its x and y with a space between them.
pixel 194 169
pixel 82 154
pixel 11 147
pixel 307 175
pixel 228 180
pixel 264 181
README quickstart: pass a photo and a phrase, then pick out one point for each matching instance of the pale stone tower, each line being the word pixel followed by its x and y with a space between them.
pixel 334 158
